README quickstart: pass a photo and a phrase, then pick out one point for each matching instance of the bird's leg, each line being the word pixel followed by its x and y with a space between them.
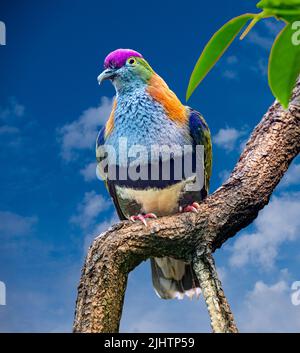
pixel 190 208
pixel 142 217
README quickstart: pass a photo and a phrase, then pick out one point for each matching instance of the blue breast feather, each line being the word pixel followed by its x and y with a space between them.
pixel 150 125
pixel 143 122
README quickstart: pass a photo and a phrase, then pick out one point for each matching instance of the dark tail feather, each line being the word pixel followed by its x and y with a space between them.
pixel 173 279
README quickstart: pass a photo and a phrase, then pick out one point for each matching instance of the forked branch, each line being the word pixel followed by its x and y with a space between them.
pixel 267 155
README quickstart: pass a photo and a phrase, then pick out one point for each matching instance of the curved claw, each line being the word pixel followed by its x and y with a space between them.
pixel 142 218
pixel 196 205
pixel 150 215
pixel 190 208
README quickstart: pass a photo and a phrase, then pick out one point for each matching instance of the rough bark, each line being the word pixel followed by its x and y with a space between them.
pixel 271 148
pixel 222 320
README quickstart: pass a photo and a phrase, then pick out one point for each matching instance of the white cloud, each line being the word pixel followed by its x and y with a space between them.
pixel 12 224
pixel 230 74
pixel 12 111
pixel 81 134
pixel 230 68
pixel 44 302
pixel 231 60
pixel 99 228
pixel 89 209
pixel 9 118
pixel 224 175
pixel 184 318
pixel 291 177
pixel 222 273
pixel 6 129
pixel 227 138
pixel 145 312
pixel 273 27
pixel 268 308
pixel 89 171
pixel 265 42
pixel 262 67
pixel 277 223
pixel 92 216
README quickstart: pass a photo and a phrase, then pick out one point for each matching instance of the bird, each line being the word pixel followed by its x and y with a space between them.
pixel 146 113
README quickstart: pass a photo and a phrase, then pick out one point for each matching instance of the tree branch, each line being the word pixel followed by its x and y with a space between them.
pixel 222 320
pixel 271 148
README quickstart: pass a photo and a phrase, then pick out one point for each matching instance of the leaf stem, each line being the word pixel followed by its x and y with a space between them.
pixel 258 17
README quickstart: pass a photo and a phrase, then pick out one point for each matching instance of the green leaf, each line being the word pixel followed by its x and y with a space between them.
pixel 214 50
pixel 284 65
pixel 279 4
pixel 288 18
pixel 287 10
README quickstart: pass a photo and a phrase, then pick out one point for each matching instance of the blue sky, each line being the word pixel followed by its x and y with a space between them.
pixel 51 205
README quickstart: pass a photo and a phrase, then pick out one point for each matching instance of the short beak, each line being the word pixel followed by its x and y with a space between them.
pixel 105 75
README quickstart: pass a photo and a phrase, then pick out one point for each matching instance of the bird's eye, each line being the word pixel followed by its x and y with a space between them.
pixel 131 61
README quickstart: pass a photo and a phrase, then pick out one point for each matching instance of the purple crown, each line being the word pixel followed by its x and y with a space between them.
pixel 117 58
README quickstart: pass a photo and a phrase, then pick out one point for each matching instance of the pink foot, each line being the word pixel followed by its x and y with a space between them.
pixel 142 218
pixel 190 208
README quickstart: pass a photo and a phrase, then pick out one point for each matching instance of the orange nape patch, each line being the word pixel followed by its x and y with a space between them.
pixel 111 120
pixel 160 91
